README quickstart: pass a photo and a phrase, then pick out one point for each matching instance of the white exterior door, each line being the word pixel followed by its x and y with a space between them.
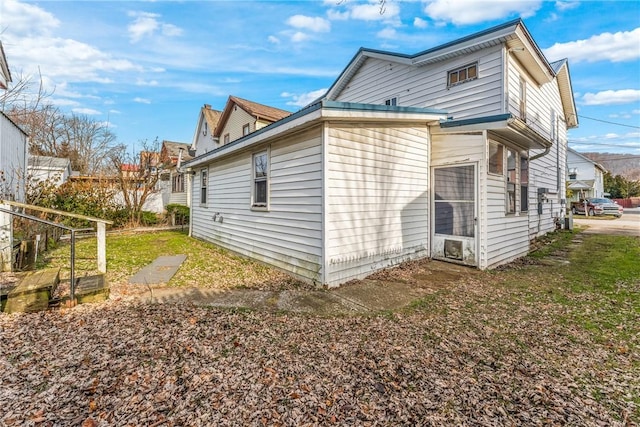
pixel 454 219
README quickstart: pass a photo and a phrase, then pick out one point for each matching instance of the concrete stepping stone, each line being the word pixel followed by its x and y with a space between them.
pixel 160 271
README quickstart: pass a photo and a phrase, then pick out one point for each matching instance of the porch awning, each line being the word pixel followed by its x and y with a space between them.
pixel 579 185
pixel 504 126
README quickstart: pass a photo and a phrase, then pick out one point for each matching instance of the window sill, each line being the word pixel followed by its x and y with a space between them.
pixel 260 208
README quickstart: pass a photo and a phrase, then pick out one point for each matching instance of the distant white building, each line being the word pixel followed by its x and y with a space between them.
pixel 585 177
pixel 57 170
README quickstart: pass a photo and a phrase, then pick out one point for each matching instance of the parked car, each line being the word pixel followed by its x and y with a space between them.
pixel 597 206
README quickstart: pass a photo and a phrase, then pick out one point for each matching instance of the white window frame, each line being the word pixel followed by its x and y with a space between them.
pixel 226 138
pixel 246 129
pixel 260 206
pixel 499 157
pixel 511 206
pixel 392 102
pixel 524 186
pixel 464 70
pixel 204 186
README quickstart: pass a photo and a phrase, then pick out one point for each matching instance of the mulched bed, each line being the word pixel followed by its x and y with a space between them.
pixel 471 359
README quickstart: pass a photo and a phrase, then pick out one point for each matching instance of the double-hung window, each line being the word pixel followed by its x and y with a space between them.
pixel 260 191
pixel 177 183
pixel 512 180
pixel 203 186
pixel 246 129
pixel 524 184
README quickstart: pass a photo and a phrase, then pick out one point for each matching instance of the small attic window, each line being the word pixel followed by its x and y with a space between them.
pixel 463 74
pixel 391 101
pixel 204 129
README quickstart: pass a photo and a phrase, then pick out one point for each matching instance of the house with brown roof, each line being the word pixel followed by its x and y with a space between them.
pixel 203 140
pixel 241 117
pixel 176 189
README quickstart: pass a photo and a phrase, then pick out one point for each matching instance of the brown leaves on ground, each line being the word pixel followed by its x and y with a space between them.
pixel 460 363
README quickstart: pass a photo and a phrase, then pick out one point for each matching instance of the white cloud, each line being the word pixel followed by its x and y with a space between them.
pixel 142 100
pixel 115 112
pixel 27 19
pixel 273 39
pixel 62 102
pixel 299 37
pixel 567 5
pixel 315 24
pixel 373 10
pixel 635 112
pixel 387 33
pixel 419 23
pixel 304 98
pixel 612 97
pixel 466 12
pixel 616 47
pixel 86 111
pixel 142 82
pixel 336 15
pixel 147 24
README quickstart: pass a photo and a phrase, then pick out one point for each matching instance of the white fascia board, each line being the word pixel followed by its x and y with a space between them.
pixel 262 136
pixel 376 116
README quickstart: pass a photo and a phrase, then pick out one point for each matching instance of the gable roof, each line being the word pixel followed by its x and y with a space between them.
pixel 171 151
pixel 586 159
pixel 513 35
pixel 259 111
pixel 210 117
pixel 4 69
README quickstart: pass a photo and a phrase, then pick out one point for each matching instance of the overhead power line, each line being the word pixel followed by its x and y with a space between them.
pixel 603 144
pixel 608 122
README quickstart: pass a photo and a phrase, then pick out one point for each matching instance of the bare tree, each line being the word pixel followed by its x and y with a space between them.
pixel 137 177
pixel 86 142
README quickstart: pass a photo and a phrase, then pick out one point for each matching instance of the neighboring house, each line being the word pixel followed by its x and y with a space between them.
pixel 172 155
pixel 241 117
pixel 13 147
pixel 585 177
pixel 57 170
pixel 456 153
pixel 203 140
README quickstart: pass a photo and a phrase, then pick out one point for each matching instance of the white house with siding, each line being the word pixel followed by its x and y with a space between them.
pixel 13 146
pixel 455 153
pixel 585 177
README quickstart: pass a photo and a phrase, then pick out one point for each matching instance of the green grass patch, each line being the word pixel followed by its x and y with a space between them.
pixel 207 265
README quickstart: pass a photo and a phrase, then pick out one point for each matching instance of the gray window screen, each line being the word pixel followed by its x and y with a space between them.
pixel 455 201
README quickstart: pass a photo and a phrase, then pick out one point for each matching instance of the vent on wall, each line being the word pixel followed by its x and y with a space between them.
pixel 453 249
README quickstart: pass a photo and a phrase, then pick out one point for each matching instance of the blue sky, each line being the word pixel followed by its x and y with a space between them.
pixel 147 67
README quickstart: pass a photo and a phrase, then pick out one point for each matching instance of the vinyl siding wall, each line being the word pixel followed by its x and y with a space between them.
pixel 288 236
pixel 13 160
pixel 237 119
pixel 204 142
pixel 377 190
pixel 542 105
pixel 426 86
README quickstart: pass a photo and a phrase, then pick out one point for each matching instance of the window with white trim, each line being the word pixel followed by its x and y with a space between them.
pixel 524 184
pixel 203 186
pixel 496 158
pixel 463 74
pixel 260 190
pixel 177 183
pixel 512 180
pixel 246 129
pixel 226 138
pixel 391 101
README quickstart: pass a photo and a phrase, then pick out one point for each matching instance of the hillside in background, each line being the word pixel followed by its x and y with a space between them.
pixel 626 165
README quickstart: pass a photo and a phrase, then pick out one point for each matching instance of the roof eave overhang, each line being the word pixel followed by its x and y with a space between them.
pixel 504 126
pixel 325 111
